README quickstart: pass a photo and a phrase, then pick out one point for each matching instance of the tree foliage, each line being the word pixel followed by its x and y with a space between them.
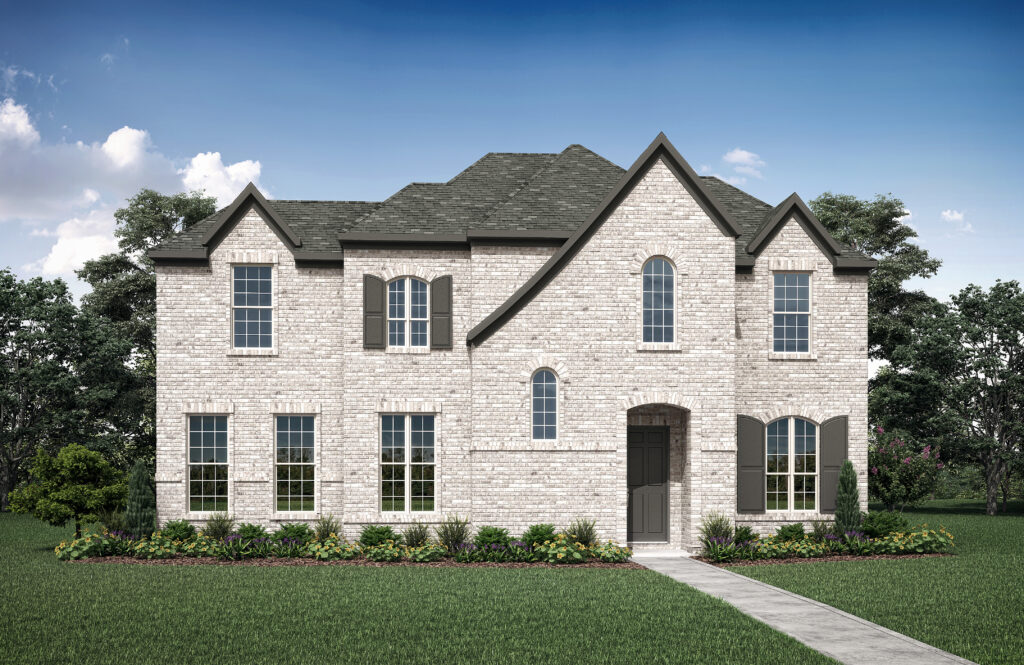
pixel 847 499
pixel 77 484
pixel 140 509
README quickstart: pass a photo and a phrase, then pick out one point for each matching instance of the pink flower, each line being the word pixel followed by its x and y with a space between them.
pixel 874 471
pixel 939 465
pixel 880 430
pixel 926 450
pixel 906 460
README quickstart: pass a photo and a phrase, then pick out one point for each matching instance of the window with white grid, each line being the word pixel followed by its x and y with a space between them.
pixel 791 313
pixel 252 309
pixel 295 465
pixel 207 463
pixel 659 301
pixel 791 464
pixel 545 405
pixel 407 463
pixel 408 313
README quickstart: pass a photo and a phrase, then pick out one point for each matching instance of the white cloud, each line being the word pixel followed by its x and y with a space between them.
pixel 107 59
pixel 748 170
pixel 10 75
pixel 126 146
pixel 15 125
pixel 207 171
pixel 705 169
pixel 952 215
pixel 742 157
pixel 78 240
pixel 956 218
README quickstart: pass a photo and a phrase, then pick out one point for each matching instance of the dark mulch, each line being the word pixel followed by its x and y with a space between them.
pixel 834 557
pixel 443 563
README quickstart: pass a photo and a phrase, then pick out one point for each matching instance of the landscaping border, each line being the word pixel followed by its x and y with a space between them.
pixel 306 561
pixel 834 557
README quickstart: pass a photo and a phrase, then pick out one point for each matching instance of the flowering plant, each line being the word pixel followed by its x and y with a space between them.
pixel 388 550
pixel 560 550
pixel 424 553
pixel 610 552
pixel 332 548
pixel 899 474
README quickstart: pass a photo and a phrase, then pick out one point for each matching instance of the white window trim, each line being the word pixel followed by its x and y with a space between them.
pixel 675 344
pixel 408 512
pixel 203 514
pixel 287 515
pixel 275 321
pixel 810 354
pixel 407 347
pixel 558 405
pixel 791 474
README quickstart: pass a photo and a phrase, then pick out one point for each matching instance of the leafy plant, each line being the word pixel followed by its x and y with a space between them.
pixel 237 547
pixel 373 535
pixel 922 541
pixel 332 549
pixel 424 553
pixel 200 546
pixel 719 549
pixel 611 553
pixel 583 531
pixel 452 532
pixel 89 545
pixel 114 520
pixel 156 547
pixel 847 499
pixel 249 531
pixel 538 533
pixel 744 534
pixel 416 535
pixel 219 526
pixel 560 550
pixel 793 531
pixel 178 530
pixel 466 553
pixel 294 531
pixel 325 525
pixel 388 550
pixel 900 474
pixel 519 550
pixel 821 529
pixel 715 525
pixel 140 508
pixel 877 524
pixel 491 535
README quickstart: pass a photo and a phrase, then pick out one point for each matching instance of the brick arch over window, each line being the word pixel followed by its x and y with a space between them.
pixel 391 271
pixel 813 414
pixel 659 397
pixel 655 250
pixel 542 361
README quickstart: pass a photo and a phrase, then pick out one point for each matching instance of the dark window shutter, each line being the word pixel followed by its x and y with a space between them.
pixel 833 454
pixel 373 312
pixel 441 313
pixel 749 465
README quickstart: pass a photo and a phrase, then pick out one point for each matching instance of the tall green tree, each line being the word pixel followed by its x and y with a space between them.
pixel 39 347
pixel 119 323
pixel 140 508
pixel 847 499
pixel 876 228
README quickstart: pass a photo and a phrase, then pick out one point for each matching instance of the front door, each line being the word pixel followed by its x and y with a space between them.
pixel 647 478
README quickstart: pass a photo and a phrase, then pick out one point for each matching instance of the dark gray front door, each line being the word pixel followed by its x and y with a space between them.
pixel 647 478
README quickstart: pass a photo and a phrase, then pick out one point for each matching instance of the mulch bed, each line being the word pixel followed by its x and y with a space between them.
pixel 286 561
pixel 834 557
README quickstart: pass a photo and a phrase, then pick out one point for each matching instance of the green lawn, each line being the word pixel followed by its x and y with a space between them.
pixel 971 604
pixel 105 613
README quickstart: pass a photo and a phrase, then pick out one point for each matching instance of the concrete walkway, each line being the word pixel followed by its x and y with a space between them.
pixel 848 639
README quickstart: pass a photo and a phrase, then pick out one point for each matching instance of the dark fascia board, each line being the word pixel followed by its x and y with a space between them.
pixel 179 257
pixel 367 240
pixel 660 148
pixel 794 205
pixel 531 238
pixel 319 259
pixel 230 215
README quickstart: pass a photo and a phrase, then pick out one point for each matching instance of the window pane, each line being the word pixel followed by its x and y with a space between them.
pixel 545 389
pixel 658 299
pixel 790 332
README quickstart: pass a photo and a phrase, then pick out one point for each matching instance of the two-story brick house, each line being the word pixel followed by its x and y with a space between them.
pixel 545 336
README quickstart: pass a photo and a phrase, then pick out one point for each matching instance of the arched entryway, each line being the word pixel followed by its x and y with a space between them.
pixel 655 457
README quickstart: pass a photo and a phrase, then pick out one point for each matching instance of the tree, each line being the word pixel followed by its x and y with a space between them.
pixel 120 323
pixel 968 362
pixel 76 484
pixel 140 511
pixel 39 346
pixel 847 499
pixel 875 227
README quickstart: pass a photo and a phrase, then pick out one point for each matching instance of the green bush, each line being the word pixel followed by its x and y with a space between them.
pixel 250 531
pixel 610 552
pixel 847 499
pixel 140 508
pixel 491 535
pixel 793 531
pixel 373 535
pixel 199 547
pixel 561 550
pixel 89 545
pixel 879 523
pixel 298 532
pixel 744 534
pixel 114 521
pixel 466 553
pixel 424 553
pixel 821 529
pixel 538 533
pixel 900 474
pixel 416 535
pixel 331 549
pixel 219 526
pixel 326 525
pixel 388 550
pixel 583 531
pixel 920 541
pixel 715 525
pixel 178 530
pixel 156 547
pixel 454 531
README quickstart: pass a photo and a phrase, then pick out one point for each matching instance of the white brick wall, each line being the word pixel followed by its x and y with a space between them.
pixel 583 325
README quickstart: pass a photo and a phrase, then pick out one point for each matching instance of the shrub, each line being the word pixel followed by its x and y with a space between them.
pixel 922 541
pixel 790 532
pixel 293 531
pixel 388 550
pixel 719 549
pixel 466 553
pixel 821 529
pixel 326 525
pixel 715 525
pixel 519 550
pixel 373 535
pixel 331 549
pixel 89 545
pixel 560 550
pixel 610 552
pixel 219 526
pixel 155 547
pixel 250 531
pixel 424 553
pixel 200 546
pixel 178 530
pixel 744 534
pixel 451 533
pixel 847 499
pixel 237 547
pixel 140 508
pixel 583 531
pixel 877 524
pixel 114 520
pixel 416 535
pixel 538 533
pixel 491 535
pixel 900 474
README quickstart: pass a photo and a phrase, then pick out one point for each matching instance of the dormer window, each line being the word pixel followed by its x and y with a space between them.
pixel 408 312
pixel 791 313
pixel 252 307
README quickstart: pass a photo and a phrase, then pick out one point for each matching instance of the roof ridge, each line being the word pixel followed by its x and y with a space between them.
pixel 272 201
pixel 380 204
pixel 596 154
pixel 741 191
pixel 526 183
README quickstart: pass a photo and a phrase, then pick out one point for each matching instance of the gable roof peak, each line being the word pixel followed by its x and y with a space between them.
pixel 777 216
pixel 249 197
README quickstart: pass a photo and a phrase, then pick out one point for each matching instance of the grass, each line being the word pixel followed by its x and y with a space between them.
pixel 102 613
pixel 969 604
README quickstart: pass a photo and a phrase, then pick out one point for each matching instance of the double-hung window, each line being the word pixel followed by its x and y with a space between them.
pixel 407 312
pixel 295 464
pixel 791 313
pixel 791 464
pixel 252 309
pixel 207 463
pixel 407 463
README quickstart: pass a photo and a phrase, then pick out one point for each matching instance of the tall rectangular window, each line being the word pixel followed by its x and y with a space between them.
pixel 252 310
pixel 408 312
pixel 791 464
pixel 407 463
pixel 207 463
pixel 791 313
pixel 295 463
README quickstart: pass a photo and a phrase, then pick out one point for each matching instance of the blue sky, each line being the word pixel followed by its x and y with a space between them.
pixel 353 101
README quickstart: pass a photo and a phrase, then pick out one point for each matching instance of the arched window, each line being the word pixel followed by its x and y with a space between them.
pixel 407 312
pixel 792 464
pixel 545 405
pixel 659 301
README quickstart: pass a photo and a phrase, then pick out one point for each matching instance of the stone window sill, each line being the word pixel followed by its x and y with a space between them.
pixel 295 515
pixel 253 352
pixel 776 355
pixel 412 350
pixel 405 517
pixel 664 347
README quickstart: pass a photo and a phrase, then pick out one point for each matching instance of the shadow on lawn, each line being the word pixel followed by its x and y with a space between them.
pixel 961 507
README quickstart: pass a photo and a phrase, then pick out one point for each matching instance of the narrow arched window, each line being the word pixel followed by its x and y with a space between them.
pixel 545 405
pixel 791 464
pixel 659 301
pixel 407 312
